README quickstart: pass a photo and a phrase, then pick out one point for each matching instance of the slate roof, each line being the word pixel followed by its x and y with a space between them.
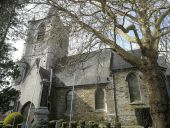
pixel 168 70
pixel 119 63
pixel 45 76
pixel 94 67
pixel 88 68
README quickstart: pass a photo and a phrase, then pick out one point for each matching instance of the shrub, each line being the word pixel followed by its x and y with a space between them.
pixel 52 123
pixel 117 125
pixel 82 124
pixel 40 124
pixel 64 124
pixel 73 124
pixel 13 118
pixel 91 124
pixel 59 122
pixel 108 125
pixel 1 124
pixel 19 125
pixel 95 125
pixel 8 126
pixel 105 124
pixel 143 117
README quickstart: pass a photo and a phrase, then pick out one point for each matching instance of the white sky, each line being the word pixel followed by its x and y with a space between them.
pixel 28 13
pixel 20 43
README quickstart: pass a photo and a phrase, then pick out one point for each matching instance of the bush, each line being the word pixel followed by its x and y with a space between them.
pixel 59 122
pixel 40 124
pixel 105 124
pixel 73 124
pixel 95 125
pixel 8 126
pixel 91 124
pixel 52 123
pixel 143 117
pixel 19 125
pixel 117 125
pixel 13 118
pixel 82 124
pixel 108 125
pixel 64 124
pixel 1 124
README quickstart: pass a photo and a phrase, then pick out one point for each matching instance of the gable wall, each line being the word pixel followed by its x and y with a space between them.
pixel 31 88
pixel 126 109
pixel 83 104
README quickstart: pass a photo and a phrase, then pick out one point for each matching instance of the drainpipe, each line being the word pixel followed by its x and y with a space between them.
pixel 49 90
pixel 51 79
pixel 115 101
pixel 117 123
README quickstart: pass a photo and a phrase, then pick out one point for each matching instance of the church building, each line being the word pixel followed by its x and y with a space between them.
pixel 92 86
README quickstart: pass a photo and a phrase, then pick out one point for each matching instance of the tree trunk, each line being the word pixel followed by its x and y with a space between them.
pixel 157 96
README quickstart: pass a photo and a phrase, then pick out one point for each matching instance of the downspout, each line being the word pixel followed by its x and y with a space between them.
pixel 51 80
pixel 72 98
pixel 114 89
pixel 49 91
pixel 115 101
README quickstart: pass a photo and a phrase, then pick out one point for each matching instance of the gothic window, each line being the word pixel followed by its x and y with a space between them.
pixel 28 112
pixel 44 96
pixel 99 99
pixel 68 100
pixel 164 85
pixel 168 86
pixel 41 32
pixel 133 85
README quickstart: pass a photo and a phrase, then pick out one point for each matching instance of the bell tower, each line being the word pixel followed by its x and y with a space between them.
pixel 47 40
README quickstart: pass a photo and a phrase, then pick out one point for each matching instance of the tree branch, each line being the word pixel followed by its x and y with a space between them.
pixel 164 33
pixel 124 54
pixel 162 17
pixel 126 36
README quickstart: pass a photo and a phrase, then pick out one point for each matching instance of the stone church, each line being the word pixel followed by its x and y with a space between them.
pixel 93 86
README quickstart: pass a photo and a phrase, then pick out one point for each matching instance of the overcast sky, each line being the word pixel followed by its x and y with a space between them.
pixel 20 43
pixel 28 13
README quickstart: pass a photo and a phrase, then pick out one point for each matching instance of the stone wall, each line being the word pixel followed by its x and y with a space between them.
pixel 31 88
pixel 126 109
pixel 84 101
pixel 83 104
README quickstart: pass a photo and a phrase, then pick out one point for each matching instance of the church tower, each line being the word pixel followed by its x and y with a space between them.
pixel 47 40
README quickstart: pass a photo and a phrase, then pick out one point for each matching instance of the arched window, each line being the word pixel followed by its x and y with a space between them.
pixel 164 85
pixel 44 96
pixel 41 32
pixel 68 100
pixel 28 112
pixel 162 79
pixel 99 99
pixel 133 87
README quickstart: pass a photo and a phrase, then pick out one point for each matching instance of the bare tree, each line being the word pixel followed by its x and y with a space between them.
pixel 144 23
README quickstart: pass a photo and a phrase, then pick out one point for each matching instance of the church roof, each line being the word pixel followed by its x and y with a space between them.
pixel 119 63
pixel 85 69
pixel 45 76
pixel 94 67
